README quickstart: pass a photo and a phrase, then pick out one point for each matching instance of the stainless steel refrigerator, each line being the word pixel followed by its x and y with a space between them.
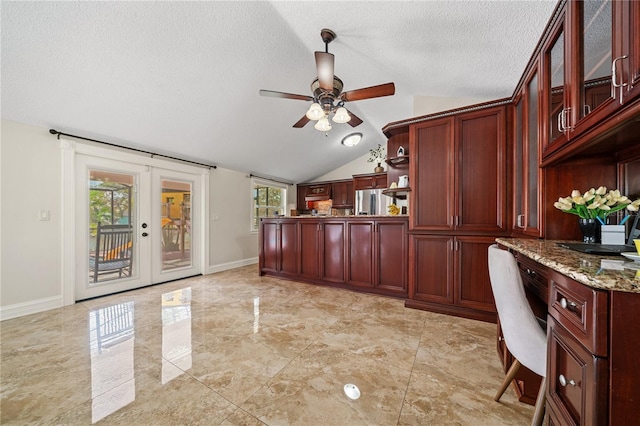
pixel 372 202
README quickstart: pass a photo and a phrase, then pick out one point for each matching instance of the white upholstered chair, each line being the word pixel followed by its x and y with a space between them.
pixel 523 336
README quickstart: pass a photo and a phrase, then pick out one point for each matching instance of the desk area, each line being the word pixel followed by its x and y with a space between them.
pixel 592 307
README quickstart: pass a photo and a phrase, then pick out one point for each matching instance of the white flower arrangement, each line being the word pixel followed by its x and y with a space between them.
pixel 596 203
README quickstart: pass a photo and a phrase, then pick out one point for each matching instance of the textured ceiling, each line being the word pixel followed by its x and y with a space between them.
pixel 182 78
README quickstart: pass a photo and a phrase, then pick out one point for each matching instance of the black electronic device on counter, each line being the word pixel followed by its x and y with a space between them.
pixel 608 249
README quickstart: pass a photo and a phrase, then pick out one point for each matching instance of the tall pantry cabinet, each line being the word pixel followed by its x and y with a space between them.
pixel 458 175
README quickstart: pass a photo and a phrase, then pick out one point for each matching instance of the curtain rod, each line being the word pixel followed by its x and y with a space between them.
pixel 55 132
pixel 271 179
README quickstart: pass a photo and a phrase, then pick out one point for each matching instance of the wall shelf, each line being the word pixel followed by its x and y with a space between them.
pixel 399 193
pixel 398 161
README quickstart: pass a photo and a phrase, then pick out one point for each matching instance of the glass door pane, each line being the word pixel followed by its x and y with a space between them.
pixel 176 224
pixel 110 237
pixel 112 207
pixel 595 81
pixel 557 115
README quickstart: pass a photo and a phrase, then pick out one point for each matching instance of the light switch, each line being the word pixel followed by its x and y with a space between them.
pixel 45 215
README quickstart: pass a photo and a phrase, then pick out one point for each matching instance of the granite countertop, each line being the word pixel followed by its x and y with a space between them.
pixel 614 273
pixel 350 216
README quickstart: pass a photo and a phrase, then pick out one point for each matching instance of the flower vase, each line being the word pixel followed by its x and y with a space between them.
pixel 590 229
pixel 378 169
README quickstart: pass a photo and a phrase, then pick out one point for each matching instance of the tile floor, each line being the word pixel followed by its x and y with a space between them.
pixel 234 348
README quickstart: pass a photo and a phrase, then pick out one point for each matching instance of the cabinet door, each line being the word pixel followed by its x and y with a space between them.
pixel 288 247
pixel 480 172
pixel 592 51
pixel 309 248
pixel 338 193
pixel 333 251
pixel 391 248
pixel 431 173
pixel 577 381
pixel 350 195
pixel 430 263
pixel 556 115
pixel 301 203
pixel 629 22
pixel 360 240
pixel 527 175
pixel 380 181
pixel 269 245
pixel 471 277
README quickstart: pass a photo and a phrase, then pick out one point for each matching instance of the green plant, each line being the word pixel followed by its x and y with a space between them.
pixel 377 154
pixel 596 203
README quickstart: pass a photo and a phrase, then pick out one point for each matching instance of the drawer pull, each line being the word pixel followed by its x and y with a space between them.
pixel 563 381
pixel 530 272
pixel 567 305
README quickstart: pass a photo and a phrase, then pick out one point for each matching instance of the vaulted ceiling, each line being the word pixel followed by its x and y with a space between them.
pixel 182 78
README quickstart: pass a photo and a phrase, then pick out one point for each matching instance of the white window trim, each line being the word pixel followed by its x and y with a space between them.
pixel 265 182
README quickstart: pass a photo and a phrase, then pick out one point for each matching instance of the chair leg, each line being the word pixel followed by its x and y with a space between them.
pixel 508 378
pixel 538 414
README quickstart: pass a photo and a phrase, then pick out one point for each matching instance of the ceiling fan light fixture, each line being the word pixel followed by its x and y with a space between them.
pixel 352 139
pixel 341 115
pixel 323 125
pixel 315 112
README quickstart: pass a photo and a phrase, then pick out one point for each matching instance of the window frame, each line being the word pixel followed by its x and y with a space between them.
pixel 254 217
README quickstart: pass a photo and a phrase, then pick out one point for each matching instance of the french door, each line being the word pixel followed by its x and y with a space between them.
pixel 135 225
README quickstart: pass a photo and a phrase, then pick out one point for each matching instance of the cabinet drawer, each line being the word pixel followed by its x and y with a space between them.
pixel 534 276
pixel 581 310
pixel 577 380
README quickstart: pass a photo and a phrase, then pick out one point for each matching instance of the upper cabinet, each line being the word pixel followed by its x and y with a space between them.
pixel 343 194
pixel 629 15
pixel 370 181
pixel 590 68
pixel 527 176
pixel 458 172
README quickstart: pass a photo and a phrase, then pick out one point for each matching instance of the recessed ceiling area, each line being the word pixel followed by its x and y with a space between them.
pixel 182 78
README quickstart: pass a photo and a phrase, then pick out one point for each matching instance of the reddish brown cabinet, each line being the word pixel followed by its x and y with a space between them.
pixel 590 69
pixel 370 181
pixel 378 252
pixel 278 246
pixel 461 159
pixel 332 250
pixel 343 194
pixel 359 253
pixel 450 275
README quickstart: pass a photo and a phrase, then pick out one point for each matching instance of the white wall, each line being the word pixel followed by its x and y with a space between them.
pixel 30 249
pixel 231 242
pixel 31 182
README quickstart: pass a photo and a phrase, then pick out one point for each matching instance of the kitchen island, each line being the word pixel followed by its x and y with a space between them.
pixel 360 253
pixel 593 331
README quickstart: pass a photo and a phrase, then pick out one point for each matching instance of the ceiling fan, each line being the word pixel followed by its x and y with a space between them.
pixel 328 97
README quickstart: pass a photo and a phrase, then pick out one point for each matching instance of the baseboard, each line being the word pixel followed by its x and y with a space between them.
pixel 231 265
pixel 31 307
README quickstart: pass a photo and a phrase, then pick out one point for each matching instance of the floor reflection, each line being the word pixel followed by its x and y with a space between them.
pixel 111 338
pixel 176 332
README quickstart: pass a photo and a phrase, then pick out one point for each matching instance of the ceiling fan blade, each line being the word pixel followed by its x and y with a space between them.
pixel 355 120
pixel 302 122
pixel 324 64
pixel 283 95
pixel 387 89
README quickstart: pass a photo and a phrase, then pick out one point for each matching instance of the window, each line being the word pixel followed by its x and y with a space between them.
pixel 268 199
